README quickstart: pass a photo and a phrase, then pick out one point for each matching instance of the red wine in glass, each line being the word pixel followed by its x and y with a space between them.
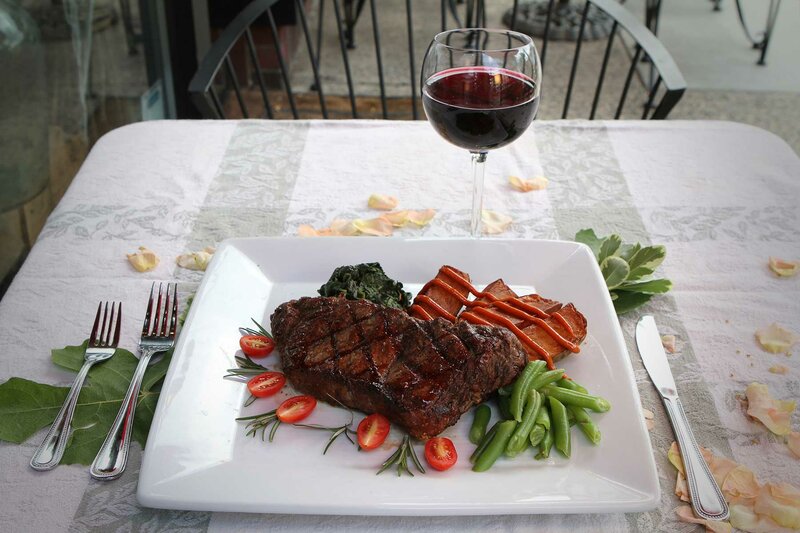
pixel 480 90
pixel 480 108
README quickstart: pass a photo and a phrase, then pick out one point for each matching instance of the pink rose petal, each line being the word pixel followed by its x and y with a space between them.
pixel 668 341
pixel 494 223
pixel 778 369
pixel 781 503
pixel 536 184
pixel 776 339
pixel 674 456
pixel 775 414
pixel 344 228
pixel 784 268
pixel 397 219
pixel 143 260
pixel 382 201
pixel 682 488
pixel 421 218
pixel 744 518
pixel 740 483
pixel 378 227
pixel 685 514
pixel 793 441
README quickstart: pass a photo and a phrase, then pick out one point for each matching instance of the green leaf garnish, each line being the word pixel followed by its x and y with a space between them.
pixel 609 247
pixel 654 286
pixel 647 259
pixel 615 270
pixel 628 301
pixel 366 281
pixel 588 237
pixel 626 269
pixel 27 406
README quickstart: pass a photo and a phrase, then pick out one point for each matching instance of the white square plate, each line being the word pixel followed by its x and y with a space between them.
pixel 198 457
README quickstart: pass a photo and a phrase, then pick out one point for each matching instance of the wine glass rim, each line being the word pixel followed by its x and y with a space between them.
pixel 527 40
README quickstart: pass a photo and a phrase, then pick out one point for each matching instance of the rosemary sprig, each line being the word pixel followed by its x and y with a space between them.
pixel 400 459
pixel 259 331
pixel 261 422
pixel 246 367
pixel 336 432
pixel 249 401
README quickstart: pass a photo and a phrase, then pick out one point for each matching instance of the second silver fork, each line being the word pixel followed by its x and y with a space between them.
pixel 102 342
pixel 158 336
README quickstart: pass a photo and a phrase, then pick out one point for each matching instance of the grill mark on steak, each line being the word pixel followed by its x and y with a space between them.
pixel 422 375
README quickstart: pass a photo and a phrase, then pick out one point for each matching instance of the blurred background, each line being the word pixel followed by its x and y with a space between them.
pixel 76 69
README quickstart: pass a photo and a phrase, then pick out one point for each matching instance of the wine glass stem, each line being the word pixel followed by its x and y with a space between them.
pixel 478 160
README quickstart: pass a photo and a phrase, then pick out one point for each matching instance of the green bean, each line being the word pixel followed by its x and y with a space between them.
pixel 545 445
pixel 571 385
pixel 560 426
pixel 483 413
pixel 496 447
pixel 585 424
pixel 519 439
pixel 484 442
pixel 536 435
pixel 578 399
pixel 543 418
pixel 520 390
pixel 516 452
pixel 503 404
pixel 546 378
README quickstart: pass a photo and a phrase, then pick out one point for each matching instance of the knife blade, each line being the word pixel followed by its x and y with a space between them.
pixel 706 498
pixel 653 356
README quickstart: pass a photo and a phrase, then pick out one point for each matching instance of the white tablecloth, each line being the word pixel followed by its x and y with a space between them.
pixel 722 197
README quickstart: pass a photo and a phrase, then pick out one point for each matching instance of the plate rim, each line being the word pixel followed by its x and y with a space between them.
pixel 147 496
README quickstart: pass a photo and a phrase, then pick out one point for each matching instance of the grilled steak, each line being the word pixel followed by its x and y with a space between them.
pixel 422 375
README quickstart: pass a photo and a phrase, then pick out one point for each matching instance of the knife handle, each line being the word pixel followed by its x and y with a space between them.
pixel 706 498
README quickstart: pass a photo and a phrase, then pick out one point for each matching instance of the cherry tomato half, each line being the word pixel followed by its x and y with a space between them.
pixel 296 409
pixel 440 453
pixel 266 384
pixel 256 345
pixel 372 431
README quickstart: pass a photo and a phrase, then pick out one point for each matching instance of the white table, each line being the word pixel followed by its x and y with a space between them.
pixel 722 197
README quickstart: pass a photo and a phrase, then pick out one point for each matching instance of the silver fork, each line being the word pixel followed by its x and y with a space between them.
pixel 158 336
pixel 101 347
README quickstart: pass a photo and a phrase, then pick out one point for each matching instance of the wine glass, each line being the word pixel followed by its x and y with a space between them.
pixel 480 90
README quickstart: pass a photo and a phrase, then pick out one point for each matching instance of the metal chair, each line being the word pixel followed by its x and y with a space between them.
pixel 669 81
pixel 217 92
pixel 216 77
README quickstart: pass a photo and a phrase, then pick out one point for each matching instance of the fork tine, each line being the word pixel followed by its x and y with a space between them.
pixel 103 328
pixel 174 320
pixel 111 318
pixel 96 323
pixel 119 325
pixel 162 330
pixel 148 314
pixel 157 315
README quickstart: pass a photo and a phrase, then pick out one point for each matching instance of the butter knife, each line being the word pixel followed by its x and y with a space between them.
pixel 706 498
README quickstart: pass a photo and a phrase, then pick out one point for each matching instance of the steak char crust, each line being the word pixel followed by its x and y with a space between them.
pixel 421 375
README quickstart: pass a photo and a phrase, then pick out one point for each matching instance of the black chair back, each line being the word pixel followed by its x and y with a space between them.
pixel 217 65
pixel 668 85
pixel 216 77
